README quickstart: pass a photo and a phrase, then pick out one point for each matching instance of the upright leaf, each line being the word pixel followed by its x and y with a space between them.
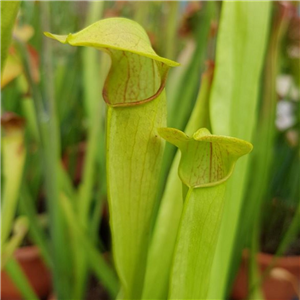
pixel 134 92
pixel 207 161
pixel 20 229
pixel 240 51
pixel 186 86
pixel 9 10
pixel 166 226
pixel 13 157
pixel 17 275
pixel 93 84
pixel 264 139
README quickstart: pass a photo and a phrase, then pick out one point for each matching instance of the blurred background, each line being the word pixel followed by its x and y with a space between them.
pixel 52 100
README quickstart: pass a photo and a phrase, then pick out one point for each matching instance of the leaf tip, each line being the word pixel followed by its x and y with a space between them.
pixel 64 39
pixel 200 133
pixel 173 136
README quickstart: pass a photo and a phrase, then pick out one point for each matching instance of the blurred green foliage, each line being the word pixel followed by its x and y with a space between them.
pixel 184 31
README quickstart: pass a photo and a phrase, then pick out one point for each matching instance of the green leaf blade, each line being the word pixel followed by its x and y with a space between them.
pixel 9 10
pixel 196 242
pixel 134 160
pixel 207 162
pixel 241 47
pixel 134 92
pixel 164 236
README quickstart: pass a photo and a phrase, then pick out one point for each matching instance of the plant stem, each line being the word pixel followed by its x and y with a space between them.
pixel 91 63
pixel 85 195
pixel 207 161
pixel 196 242
pixel 35 230
pixel 51 149
pixel 172 22
pixel 96 262
pixel 31 121
pixel 85 191
pixel 94 108
pixel 134 148
pixel 167 222
pixel 48 135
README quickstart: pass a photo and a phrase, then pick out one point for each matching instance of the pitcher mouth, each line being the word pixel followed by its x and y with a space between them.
pixel 206 160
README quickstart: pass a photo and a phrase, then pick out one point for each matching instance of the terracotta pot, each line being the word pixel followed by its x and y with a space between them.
pixel 52 297
pixel 273 287
pixel 34 268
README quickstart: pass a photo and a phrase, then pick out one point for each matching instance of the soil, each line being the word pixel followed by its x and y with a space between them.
pixel 275 227
pixel 96 291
